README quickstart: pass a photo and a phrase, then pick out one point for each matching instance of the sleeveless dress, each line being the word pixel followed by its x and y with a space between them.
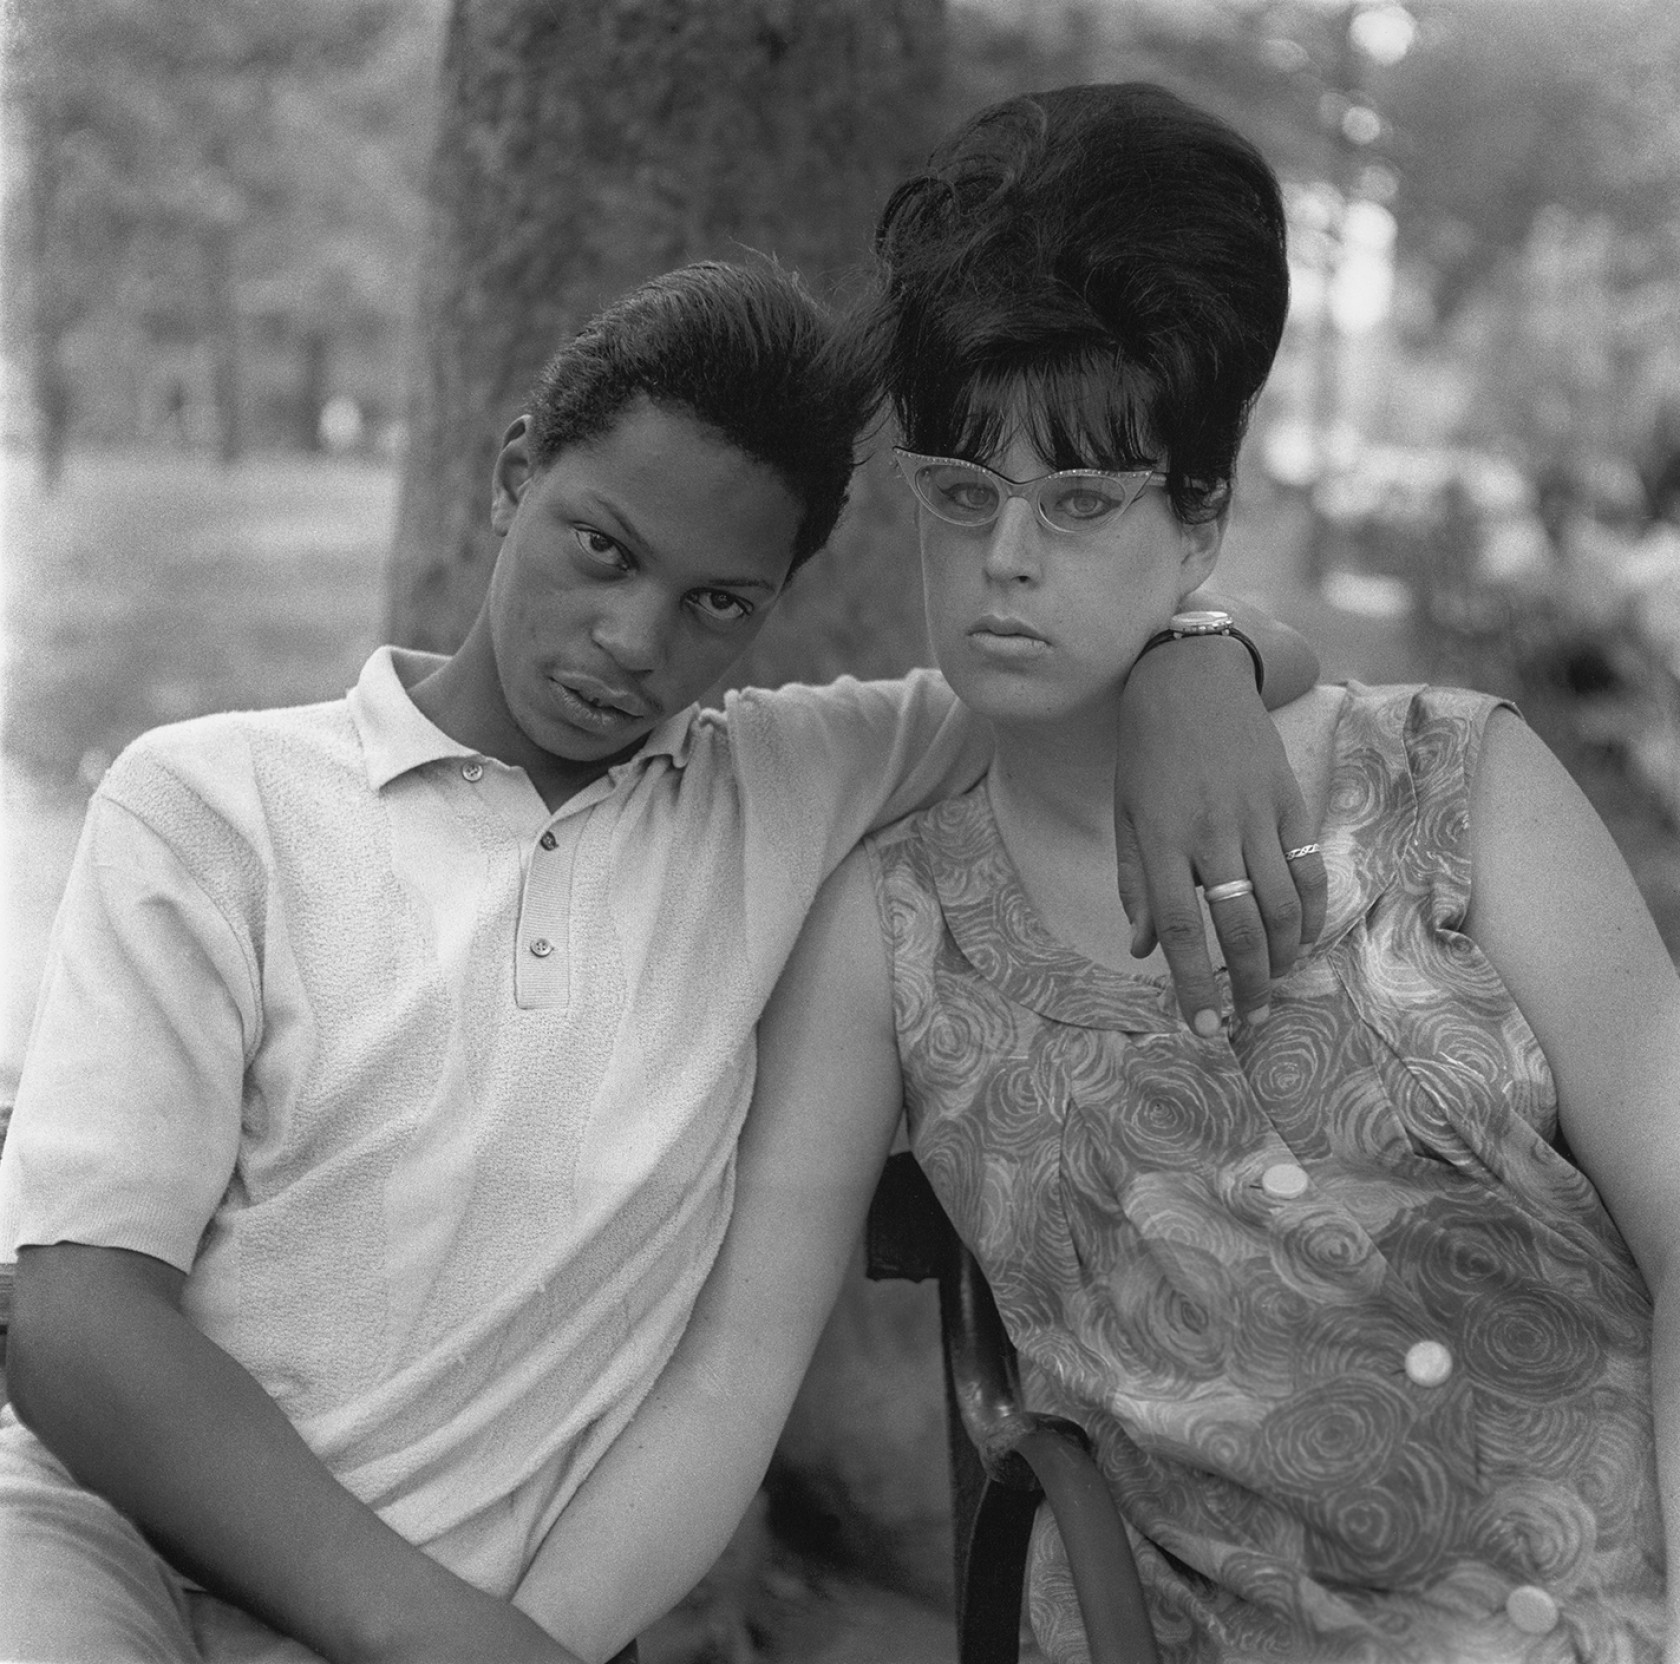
pixel 1363 1357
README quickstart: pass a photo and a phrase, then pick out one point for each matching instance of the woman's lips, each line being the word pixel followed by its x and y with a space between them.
pixel 1007 638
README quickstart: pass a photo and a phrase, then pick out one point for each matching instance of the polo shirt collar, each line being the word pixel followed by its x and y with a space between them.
pixel 396 737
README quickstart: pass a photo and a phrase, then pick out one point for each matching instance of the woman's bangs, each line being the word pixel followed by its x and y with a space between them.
pixel 1090 412
pixel 1075 412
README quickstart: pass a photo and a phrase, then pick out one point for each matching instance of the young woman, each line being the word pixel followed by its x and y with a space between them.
pixel 1363 1307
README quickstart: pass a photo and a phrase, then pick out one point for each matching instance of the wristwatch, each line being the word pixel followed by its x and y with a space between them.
pixel 1208 623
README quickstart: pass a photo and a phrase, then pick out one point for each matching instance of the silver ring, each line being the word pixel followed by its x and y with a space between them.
pixel 1300 854
pixel 1229 892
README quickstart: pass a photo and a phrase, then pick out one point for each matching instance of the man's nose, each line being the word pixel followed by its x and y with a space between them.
pixel 631 628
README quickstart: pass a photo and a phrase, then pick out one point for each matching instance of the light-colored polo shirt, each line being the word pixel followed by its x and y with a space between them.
pixel 434 1092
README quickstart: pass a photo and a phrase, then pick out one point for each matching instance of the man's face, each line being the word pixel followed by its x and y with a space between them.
pixel 634 571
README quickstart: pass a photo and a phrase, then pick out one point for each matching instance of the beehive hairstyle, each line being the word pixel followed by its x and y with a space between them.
pixel 1104 265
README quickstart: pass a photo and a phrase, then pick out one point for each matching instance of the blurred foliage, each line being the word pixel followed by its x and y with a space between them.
pixel 1482 114
pixel 215 210
pixel 209 188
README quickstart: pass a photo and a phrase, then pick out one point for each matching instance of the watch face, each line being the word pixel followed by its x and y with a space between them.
pixel 1199 623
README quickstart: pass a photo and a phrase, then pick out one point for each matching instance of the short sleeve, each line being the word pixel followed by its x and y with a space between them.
pixel 829 764
pixel 128 1112
pixel 1443 736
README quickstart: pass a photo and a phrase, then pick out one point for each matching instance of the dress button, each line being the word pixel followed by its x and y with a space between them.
pixel 472 771
pixel 548 840
pixel 1429 1363
pixel 542 947
pixel 1531 1609
pixel 1284 1180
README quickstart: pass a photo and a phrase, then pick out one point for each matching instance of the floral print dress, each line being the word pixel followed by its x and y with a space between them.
pixel 1362 1355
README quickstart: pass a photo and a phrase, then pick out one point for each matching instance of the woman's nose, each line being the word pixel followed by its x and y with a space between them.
pixel 1012 545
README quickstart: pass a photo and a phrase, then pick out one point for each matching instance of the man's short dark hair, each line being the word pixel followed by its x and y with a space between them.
pixel 748 352
pixel 1106 263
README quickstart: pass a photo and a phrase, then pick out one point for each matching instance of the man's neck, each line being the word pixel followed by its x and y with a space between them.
pixel 464 698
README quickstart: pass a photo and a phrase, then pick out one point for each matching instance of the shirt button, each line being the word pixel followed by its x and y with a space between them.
pixel 472 771
pixel 548 840
pixel 1429 1363
pixel 542 947
pixel 1531 1609
pixel 1284 1180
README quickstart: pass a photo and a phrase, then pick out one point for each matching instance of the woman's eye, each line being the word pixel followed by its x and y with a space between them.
pixel 719 604
pixel 972 497
pixel 1086 504
pixel 599 547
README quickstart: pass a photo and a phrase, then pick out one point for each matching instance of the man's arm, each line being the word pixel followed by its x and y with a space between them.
pixel 653 1516
pixel 1557 913
pixel 143 1408
pixel 1203 794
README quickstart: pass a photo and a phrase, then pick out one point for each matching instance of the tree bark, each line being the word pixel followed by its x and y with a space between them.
pixel 584 147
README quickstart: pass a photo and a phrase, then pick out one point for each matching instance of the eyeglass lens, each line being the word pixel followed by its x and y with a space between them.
pixel 968 495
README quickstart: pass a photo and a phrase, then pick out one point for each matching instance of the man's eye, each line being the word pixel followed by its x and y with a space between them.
pixel 599 547
pixel 719 604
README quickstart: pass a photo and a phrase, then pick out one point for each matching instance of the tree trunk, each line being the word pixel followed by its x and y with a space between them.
pixel 584 147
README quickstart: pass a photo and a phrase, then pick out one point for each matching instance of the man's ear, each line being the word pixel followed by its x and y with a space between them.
pixel 1200 546
pixel 511 474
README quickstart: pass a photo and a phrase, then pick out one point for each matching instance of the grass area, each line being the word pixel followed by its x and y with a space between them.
pixel 153 587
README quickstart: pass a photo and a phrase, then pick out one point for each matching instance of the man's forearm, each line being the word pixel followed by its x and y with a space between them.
pixel 648 1522
pixel 1291 663
pixel 144 1409
pixel 652 1519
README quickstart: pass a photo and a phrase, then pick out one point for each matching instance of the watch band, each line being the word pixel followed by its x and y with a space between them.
pixel 1192 624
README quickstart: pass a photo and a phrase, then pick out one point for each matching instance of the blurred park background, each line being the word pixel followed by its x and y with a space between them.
pixel 276 273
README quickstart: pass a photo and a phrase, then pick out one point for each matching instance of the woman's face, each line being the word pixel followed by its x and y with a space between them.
pixel 1034 625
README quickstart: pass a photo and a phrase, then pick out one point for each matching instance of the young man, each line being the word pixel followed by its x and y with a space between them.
pixel 378 1130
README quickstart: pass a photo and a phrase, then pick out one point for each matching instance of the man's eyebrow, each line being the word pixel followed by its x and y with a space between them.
pixel 608 509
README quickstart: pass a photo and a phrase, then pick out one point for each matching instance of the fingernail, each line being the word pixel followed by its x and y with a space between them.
pixel 1206 1024
pixel 1258 1015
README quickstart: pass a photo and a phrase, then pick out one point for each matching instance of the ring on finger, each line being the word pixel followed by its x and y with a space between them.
pixel 1229 891
pixel 1300 854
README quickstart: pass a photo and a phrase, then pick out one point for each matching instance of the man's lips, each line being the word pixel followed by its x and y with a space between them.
pixel 600 703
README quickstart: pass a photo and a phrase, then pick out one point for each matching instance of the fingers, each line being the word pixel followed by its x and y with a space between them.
pixel 1134 888
pixel 1243 934
pixel 1277 903
pixel 1176 912
pixel 1305 863
pixel 1261 932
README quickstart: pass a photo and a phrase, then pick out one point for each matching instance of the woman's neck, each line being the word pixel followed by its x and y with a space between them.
pixel 1056 779
pixel 1052 796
